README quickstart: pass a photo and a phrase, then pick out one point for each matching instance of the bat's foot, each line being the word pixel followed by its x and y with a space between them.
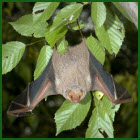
pixel 32 113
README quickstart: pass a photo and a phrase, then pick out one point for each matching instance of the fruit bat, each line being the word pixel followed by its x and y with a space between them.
pixel 71 75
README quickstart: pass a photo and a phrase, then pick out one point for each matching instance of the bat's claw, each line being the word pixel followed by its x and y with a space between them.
pixel 31 113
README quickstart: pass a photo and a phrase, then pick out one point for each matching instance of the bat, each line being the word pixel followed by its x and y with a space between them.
pixel 71 75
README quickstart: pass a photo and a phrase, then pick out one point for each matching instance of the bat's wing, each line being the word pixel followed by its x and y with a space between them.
pixel 104 82
pixel 34 93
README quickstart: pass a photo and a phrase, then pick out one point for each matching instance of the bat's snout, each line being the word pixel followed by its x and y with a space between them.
pixel 74 95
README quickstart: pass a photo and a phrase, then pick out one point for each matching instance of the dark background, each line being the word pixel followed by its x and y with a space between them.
pixel 123 67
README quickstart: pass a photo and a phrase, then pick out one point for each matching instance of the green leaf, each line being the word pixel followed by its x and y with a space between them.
pixel 102 119
pixel 71 114
pixel 99 121
pixel 67 15
pixel 11 55
pixel 74 25
pixel 62 46
pixel 112 33
pixel 26 27
pixel 96 48
pixel 52 36
pixel 106 105
pixel 98 13
pixel 43 60
pixel 69 3
pixel 122 10
pixel 85 3
pixel 48 7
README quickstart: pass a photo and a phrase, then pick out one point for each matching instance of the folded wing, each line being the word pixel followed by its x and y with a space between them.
pixel 34 93
pixel 104 82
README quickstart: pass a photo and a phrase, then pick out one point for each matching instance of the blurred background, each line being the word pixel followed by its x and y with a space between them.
pixel 123 67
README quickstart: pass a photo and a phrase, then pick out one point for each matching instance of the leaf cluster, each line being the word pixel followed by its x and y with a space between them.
pixel 109 37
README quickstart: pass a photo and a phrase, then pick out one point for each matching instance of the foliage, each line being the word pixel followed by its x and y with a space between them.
pixel 74 25
pixel 71 115
pixel 67 15
pixel 52 36
pixel 62 46
pixel 98 13
pixel 48 9
pixel 96 48
pixel 43 60
pixel 101 119
pixel 11 55
pixel 110 35
pixel 120 8
pixel 25 26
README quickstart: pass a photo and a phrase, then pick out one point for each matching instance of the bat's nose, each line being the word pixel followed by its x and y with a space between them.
pixel 75 100
pixel 75 96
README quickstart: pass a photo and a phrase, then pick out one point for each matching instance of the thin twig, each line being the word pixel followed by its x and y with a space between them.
pixel 34 42
pixel 79 29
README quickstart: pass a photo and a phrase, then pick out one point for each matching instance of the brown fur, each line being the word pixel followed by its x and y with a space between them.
pixel 72 68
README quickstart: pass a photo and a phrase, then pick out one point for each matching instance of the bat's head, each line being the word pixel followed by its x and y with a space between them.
pixel 75 93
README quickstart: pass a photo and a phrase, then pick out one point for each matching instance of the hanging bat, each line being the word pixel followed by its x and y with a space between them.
pixel 71 75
